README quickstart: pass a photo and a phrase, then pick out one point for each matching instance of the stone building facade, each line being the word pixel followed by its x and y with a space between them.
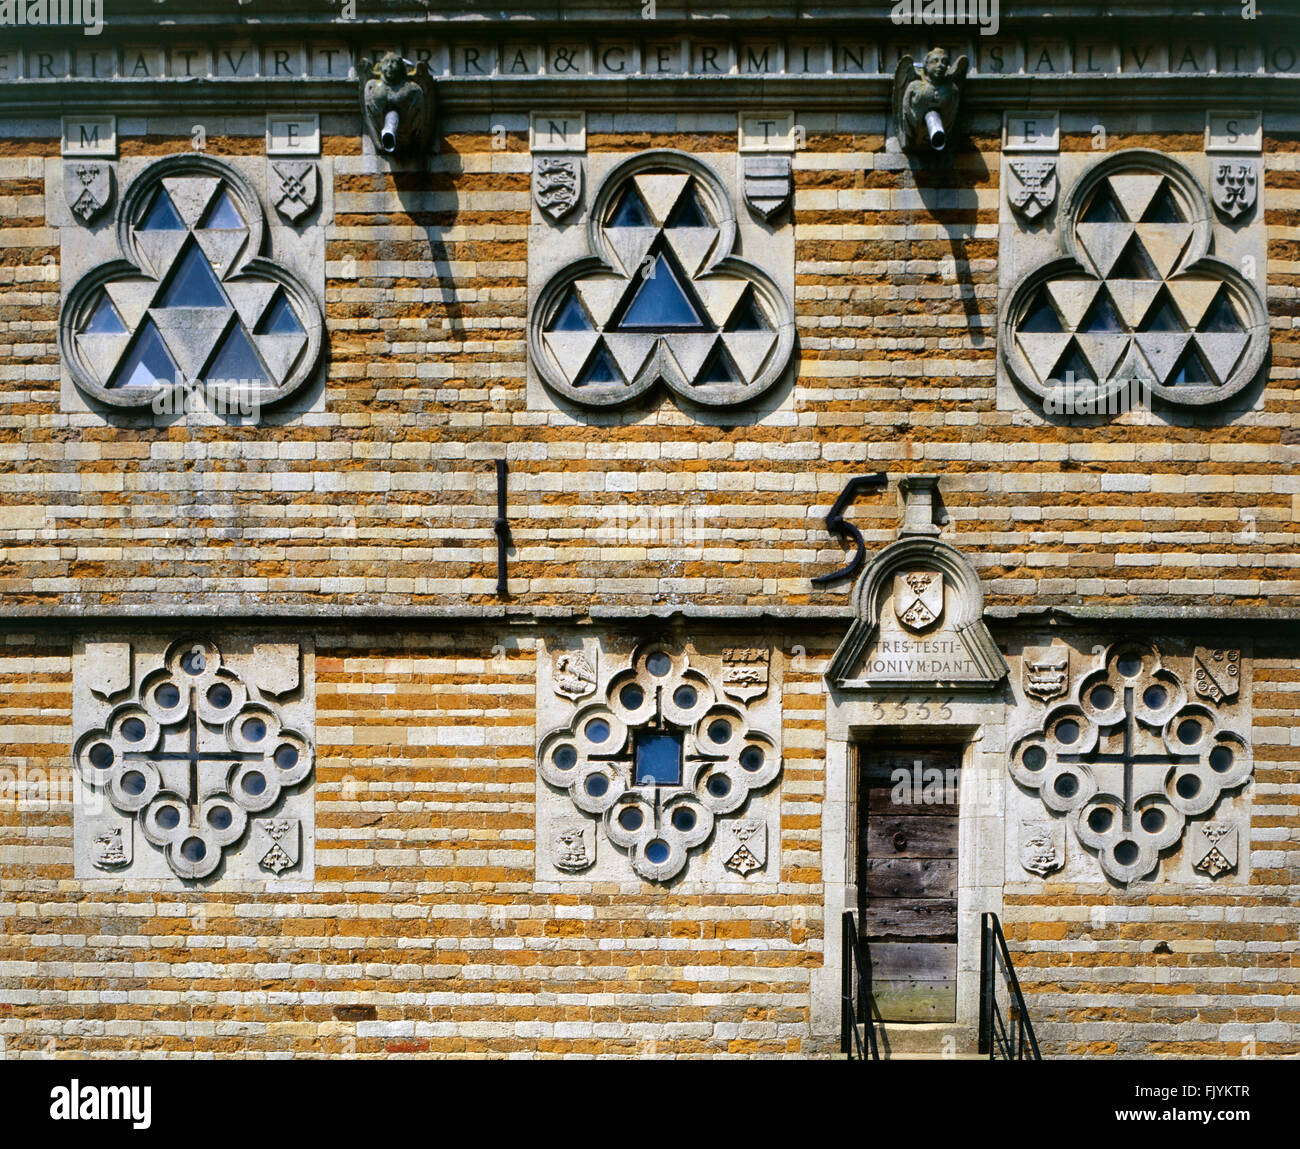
pixel 423 632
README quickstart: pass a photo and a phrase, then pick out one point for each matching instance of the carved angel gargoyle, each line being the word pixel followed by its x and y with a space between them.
pixel 925 100
pixel 398 103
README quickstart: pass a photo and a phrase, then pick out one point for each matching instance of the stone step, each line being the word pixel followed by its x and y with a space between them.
pixel 920 1040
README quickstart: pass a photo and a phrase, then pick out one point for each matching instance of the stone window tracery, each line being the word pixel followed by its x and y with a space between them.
pixel 661 296
pixel 192 300
pixel 1128 757
pixel 1136 300
pixel 661 758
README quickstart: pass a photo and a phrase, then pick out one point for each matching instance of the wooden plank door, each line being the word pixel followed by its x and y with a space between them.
pixel 907 879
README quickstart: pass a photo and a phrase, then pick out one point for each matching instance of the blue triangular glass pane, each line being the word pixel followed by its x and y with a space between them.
pixel 689 212
pixel 279 319
pixel 600 368
pixel 161 216
pixel 1073 367
pixel 748 316
pixel 1164 208
pixel 1220 317
pixel 1103 208
pixel 104 320
pixel 719 369
pixel 630 211
pixel 1040 316
pixel 1134 263
pixel 1191 370
pixel 570 315
pixel 192 283
pixel 236 361
pixel 222 214
pixel 1163 316
pixel 1101 318
pixel 661 302
pixel 148 362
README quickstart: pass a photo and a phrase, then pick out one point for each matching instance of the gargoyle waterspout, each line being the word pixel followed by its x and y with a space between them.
pixel 397 101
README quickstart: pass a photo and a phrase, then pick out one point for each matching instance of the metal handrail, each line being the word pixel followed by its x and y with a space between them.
pixel 1018 1042
pixel 855 974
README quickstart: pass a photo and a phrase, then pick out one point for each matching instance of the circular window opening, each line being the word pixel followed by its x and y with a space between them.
pixel 659 664
pixel 253 783
pixel 1155 697
pixel 1067 785
pixel 193 850
pixel 1102 697
pixel 219 695
pixel 631 819
pixel 597 785
pixel 719 785
pixel 632 696
pixel 1220 759
pixel 193 662
pixel 684 819
pixel 657 851
pixel 685 697
pixel 286 757
pixel 1189 732
pixel 1152 820
pixel 169 817
pixel 133 730
pixel 1100 820
pixel 254 729
pixel 719 731
pixel 101 756
pixel 133 782
pixel 1067 731
pixel 751 758
pixel 1126 852
pixel 1034 758
pixel 219 818
pixel 597 730
pixel 566 757
pixel 167 695
pixel 1188 786
pixel 1130 665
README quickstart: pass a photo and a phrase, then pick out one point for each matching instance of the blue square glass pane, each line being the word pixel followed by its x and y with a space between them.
pixel 658 758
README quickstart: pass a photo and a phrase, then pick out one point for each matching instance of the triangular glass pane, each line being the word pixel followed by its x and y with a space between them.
pixel 161 216
pixel 1040 317
pixel 748 316
pixel 660 302
pixel 192 282
pixel 1072 367
pixel 630 211
pixel 1220 316
pixel 1101 318
pixel 1103 208
pixel 279 319
pixel 222 214
pixel 1134 263
pixel 1191 371
pixel 148 362
pixel 718 369
pixel 1163 208
pixel 104 320
pixel 236 361
pixel 689 212
pixel 1163 316
pixel 571 315
pixel 601 368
